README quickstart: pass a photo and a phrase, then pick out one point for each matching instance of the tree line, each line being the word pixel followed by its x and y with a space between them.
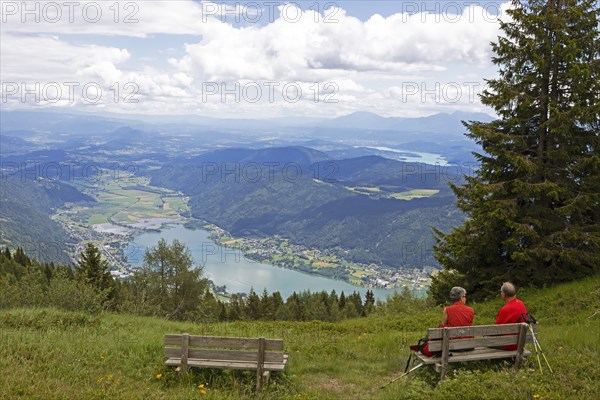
pixel 170 286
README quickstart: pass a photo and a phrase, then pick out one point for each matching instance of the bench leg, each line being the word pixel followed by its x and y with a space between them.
pixel 521 345
pixel 260 365
pixel 185 341
pixel 444 370
pixel 259 381
pixel 445 352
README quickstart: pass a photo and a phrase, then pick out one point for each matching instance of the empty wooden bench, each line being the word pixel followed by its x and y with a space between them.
pixel 481 339
pixel 260 354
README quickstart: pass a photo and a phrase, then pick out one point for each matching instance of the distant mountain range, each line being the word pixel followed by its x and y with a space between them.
pixel 442 122
pixel 161 137
pixel 57 122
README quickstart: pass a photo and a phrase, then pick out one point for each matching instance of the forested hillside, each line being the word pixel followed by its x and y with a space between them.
pixel 327 204
pixel 25 208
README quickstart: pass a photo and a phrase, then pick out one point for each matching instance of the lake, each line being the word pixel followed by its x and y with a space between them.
pixel 227 266
pixel 412 156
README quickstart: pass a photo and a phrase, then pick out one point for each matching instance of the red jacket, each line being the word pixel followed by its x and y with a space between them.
pixel 511 313
pixel 459 314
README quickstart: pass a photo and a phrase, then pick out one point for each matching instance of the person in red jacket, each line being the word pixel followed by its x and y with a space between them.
pixel 513 311
pixel 458 314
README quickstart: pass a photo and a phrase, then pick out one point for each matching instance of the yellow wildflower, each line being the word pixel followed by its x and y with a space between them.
pixel 109 377
pixel 158 376
pixel 536 396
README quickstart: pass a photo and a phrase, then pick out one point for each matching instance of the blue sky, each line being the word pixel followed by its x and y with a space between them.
pixel 252 59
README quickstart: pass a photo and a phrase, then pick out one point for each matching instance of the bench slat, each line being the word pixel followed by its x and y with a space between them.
pixel 478 354
pixel 230 342
pixel 174 362
pixel 480 330
pixel 490 341
pixel 230 355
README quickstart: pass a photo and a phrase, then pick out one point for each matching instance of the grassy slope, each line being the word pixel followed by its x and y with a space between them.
pixel 50 354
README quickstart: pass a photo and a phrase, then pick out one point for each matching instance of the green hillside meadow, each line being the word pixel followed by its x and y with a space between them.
pixel 52 354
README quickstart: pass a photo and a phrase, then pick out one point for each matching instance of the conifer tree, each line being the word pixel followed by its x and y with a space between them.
pixel 342 301
pixel 21 258
pixel 357 301
pixel 234 312
pixel 175 287
pixel 277 302
pixel 533 205
pixel 369 305
pixel 93 269
pixel 267 311
pixel 253 310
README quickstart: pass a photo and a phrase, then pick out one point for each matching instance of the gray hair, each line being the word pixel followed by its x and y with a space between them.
pixel 457 293
pixel 508 289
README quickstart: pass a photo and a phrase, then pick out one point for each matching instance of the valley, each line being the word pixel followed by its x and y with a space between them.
pixel 129 206
pixel 355 205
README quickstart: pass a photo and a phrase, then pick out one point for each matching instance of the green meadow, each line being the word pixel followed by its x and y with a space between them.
pixel 54 354
pixel 124 201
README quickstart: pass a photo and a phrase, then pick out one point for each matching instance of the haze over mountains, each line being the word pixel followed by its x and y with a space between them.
pixel 346 183
pixel 76 122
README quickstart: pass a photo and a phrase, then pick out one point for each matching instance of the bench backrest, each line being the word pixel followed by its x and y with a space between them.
pixel 466 337
pixel 224 348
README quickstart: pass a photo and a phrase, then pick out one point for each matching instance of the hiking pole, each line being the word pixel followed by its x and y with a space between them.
pixel 403 375
pixel 408 361
pixel 529 319
pixel 537 353
pixel 537 343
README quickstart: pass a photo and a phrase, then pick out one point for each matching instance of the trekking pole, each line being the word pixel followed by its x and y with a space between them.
pixel 536 342
pixel 529 319
pixel 408 361
pixel 403 375
pixel 537 353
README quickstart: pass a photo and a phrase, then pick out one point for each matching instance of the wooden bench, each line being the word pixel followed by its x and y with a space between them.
pixel 481 339
pixel 262 355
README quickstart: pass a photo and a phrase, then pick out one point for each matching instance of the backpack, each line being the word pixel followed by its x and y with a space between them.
pixel 421 344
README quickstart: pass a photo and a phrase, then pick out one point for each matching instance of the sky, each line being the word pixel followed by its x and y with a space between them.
pixel 248 59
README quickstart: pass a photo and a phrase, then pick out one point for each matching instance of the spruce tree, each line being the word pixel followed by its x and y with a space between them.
pixel 93 269
pixel 267 311
pixel 21 258
pixel 369 306
pixel 253 309
pixel 533 205
pixel 234 312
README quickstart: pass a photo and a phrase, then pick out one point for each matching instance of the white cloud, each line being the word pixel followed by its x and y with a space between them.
pixel 112 18
pixel 370 62
pixel 45 57
pixel 309 50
